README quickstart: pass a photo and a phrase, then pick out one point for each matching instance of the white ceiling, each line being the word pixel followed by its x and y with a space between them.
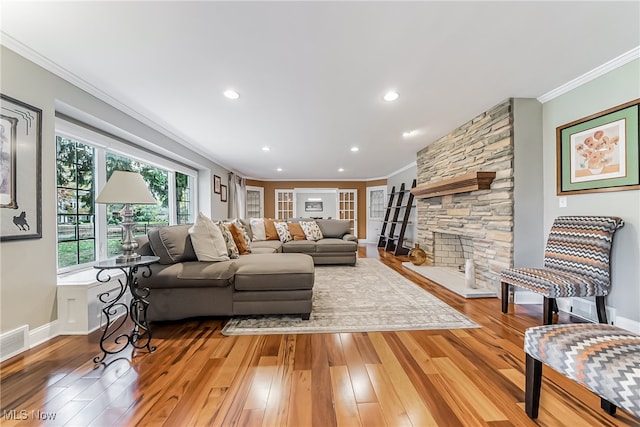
pixel 311 75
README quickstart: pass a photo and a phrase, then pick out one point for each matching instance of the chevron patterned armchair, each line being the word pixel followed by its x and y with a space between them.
pixel 603 358
pixel 576 264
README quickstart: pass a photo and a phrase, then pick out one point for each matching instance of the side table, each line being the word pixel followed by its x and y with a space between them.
pixel 114 331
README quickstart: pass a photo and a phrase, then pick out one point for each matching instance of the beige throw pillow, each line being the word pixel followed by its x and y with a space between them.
pixel 257 229
pixel 207 240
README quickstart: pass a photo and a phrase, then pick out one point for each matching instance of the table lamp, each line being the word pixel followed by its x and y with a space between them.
pixel 128 188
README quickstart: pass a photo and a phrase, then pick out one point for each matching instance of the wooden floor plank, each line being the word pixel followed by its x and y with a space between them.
pixel 414 406
pixel 362 388
pixel 393 411
pixel 371 414
pixel 198 377
pixel 300 413
pixel 277 405
pixel 345 401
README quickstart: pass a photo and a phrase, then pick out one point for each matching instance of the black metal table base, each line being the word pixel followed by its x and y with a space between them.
pixel 117 335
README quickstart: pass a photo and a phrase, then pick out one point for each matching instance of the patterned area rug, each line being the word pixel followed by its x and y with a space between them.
pixel 365 298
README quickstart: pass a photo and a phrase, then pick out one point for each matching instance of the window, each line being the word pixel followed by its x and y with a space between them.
pixel 348 208
pixel 255 202
pixel 85 160
pixel 183 199
pixel 377 207
pixel 284 204
pixel 75 190
pixel 145 216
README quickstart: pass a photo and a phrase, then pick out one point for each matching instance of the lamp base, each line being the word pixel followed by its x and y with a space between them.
pixel 123 259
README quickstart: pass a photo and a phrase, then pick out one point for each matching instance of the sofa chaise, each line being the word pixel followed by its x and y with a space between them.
pixel 275 278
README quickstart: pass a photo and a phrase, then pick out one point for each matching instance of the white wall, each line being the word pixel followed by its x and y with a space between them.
pixel 614 88
pixel 28 267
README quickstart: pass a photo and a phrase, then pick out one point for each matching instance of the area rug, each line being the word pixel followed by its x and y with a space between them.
pixel 365 298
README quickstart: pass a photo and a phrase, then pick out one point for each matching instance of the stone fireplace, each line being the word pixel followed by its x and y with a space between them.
pixel 483 218
pixel 451 250
pixel 482 222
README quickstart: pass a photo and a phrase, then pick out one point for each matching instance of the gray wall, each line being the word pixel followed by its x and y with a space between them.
pixel 614 88
pixel 528 233
pixel 406 176
pixel 28 267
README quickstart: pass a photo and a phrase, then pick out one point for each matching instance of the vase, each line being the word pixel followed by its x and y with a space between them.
pixel 417 255
pixel 470 274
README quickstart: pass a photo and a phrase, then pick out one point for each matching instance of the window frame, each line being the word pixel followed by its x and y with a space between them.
pixel 102 144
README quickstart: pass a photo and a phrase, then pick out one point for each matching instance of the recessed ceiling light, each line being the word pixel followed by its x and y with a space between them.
pixel 341 170
pixel 231 94
pixel 279 169
pixel 265 148
pixel 354 149
pixel 392 95
pixel 408 133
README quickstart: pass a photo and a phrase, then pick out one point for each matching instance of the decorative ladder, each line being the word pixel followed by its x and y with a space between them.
pixel 391 241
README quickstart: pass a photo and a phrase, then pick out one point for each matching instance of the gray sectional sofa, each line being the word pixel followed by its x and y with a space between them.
pixel 337 247
pixel 276 278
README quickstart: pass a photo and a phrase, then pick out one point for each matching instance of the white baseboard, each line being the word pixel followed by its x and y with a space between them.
pixel 586 309
pixel 43 333
pixel 22 339
pixel 628 324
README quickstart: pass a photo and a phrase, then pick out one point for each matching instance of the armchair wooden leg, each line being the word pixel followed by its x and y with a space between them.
pixel 547 316
pixel 505 297
pixel 533 381
pixel 602 310
pixel 608 407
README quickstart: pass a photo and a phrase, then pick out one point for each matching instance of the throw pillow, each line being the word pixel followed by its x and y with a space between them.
pixel 270 229
pixel 238 238
pixel 232 249
pixel 245 234
pixel 311 230
pixel 296 231
pixel 258 230
pixel 283 231
pixel 207 240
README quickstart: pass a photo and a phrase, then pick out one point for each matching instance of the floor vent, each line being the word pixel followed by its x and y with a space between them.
pixel 14 342
pixel 587 310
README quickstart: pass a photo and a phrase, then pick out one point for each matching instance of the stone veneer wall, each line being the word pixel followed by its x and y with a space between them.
pixel 485 143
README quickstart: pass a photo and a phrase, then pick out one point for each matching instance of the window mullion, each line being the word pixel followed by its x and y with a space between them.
pixel 100 209
pixel 173 202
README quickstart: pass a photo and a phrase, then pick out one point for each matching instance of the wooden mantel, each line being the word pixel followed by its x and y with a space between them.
pixel 460 184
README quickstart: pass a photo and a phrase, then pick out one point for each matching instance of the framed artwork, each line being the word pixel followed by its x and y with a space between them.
pixel 600 153
pixel 20 170
pixel 216 184
pixel 313 206
pixel 223 193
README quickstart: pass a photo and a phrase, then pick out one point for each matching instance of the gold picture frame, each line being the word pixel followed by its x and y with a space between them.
pixel 600 153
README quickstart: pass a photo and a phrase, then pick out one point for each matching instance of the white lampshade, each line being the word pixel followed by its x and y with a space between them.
pixel 126 187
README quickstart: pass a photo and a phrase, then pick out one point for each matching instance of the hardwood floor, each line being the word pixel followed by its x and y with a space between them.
pixel 198 377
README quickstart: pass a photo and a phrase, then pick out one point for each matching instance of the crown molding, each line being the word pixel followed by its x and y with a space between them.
pixel 603 69
pixel 44 62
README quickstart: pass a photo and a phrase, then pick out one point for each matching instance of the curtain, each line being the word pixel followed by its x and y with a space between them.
pixel 237 195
